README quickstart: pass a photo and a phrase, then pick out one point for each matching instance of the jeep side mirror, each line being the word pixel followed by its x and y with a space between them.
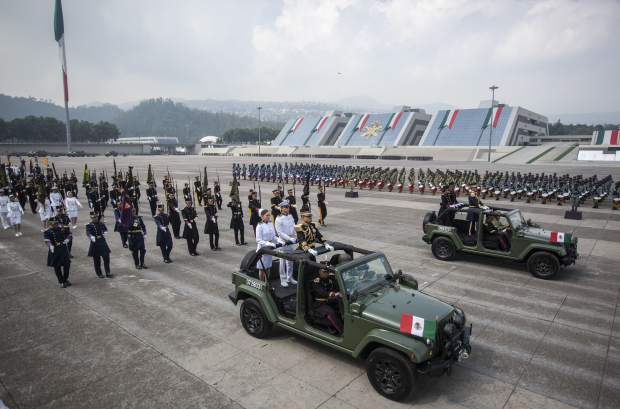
pixel 353 296
pixel 529 222
pixel 398 274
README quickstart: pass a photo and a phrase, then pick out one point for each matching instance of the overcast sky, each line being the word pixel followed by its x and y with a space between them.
pixel 550 56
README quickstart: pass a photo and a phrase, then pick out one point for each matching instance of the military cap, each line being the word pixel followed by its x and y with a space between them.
pixel 54 219
pixel 94 214
pixel 160 206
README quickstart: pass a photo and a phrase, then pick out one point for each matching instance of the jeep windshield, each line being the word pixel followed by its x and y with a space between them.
pixel 516 218
pixel 367 276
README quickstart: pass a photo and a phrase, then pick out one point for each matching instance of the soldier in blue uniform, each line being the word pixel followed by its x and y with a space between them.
pixel 119 227
pixel 164 238
pixel 96 232
pixel 56 239
pixel 137 233
pixel 190 232
pixel 211 227
pixel 474 201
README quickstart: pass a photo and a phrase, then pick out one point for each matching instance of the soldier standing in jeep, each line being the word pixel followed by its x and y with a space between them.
pixel 325 291
pixel 308 234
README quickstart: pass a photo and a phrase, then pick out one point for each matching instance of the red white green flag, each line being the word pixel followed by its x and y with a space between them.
pixel 561 237
pixel 448 119
pixel 321 123
pixel 293 128
pixel 394 120
pixel 494 117
pixel 363 121
pixel 417 326
pixel 59 31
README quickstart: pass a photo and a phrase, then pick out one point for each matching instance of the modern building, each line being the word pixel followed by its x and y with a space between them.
pixel 208 140
pixel 402 127
pixel 511 126
pixel 149 140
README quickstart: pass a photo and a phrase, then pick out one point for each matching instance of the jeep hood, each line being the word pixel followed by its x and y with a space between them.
pixel 387 308
pixel 537 233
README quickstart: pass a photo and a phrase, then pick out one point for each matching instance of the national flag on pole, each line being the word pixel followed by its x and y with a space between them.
pixel 355 128
pixel 295 125
pixel 561 237
pixel 417 326
pixel 493 118
pixel 363 121
pixel 448 120
pixel 394 120
pixel 59 31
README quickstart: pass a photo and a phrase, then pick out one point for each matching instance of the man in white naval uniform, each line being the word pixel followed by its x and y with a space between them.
pixel 285 228
pixel 4 212
pixel 55 199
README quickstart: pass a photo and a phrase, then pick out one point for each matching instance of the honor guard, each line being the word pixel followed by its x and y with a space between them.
pixel 236 222
pixel 211 226
pixel 322 205
pixel 164 237
pixel 151 195
pixel 65 224
pixel 275 208
pixel 119 227
pixel 308 235
pixel 198 190
pixel 96 232
pixel 218 195
pixel 292 205
pixel 175 218
pixel 187 193
pixel 137 233
pixel 58 254
pixel 474 202
pixel 190 232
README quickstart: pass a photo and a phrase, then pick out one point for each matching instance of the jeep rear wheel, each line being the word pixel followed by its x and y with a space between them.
pixel 443 248
pixel 391 373
pixel 253 318
pixel 428 218
pixel 543 265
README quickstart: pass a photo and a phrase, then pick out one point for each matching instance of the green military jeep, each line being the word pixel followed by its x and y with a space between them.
pixel 543 251
pixel 398 330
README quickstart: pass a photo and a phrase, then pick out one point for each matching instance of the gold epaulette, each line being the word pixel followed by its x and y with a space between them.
pixel 314 224
pixel 298 227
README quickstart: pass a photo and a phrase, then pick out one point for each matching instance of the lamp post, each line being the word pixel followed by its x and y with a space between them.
pixel 492 88
pixel 187 133
pixel 259 108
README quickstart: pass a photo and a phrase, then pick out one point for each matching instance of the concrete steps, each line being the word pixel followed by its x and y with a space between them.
pixel 528 153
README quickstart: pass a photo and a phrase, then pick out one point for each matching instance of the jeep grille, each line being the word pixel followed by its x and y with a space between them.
pixel 440 339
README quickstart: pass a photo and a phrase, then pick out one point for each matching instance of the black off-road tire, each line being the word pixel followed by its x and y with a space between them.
pixel 443 248
pixel 254 319
pixel 543 265
pixel 246 259
pixel 391 373
pixel 430 217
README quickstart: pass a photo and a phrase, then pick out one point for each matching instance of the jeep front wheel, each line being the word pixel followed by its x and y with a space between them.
pixel 443 248
pixel 253 318
pixel 391 373
pixel 543 265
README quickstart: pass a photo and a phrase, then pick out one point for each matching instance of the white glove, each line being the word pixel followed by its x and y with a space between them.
pixel 93 239
pixel 313 252
pixel 105 233
pixel 328 247
pixel 65 242
pixel 22 212
pixel 217 214
pixel 176 210
pixel 189 225
pixel 162 228
pixel 326 203
pixel 52 249
pixel 273 245
pixel 486 208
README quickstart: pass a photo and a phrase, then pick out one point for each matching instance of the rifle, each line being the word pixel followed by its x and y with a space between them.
pixel 260 198
pixel 55 173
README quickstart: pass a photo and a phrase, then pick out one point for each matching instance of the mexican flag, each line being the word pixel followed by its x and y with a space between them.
pixel 417 326
pixel 59 31
pixel 394 120
pixel 362 121
pixel 321 123
pixel 356 124
pixel 561 237
pixel 492 117
pixel 295 125
pixel 448 119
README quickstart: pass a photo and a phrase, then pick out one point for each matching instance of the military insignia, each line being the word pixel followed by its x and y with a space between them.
pixel 373 130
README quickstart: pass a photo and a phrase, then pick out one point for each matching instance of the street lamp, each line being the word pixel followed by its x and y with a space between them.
pixel 187 134
pixel 493 88
pixel 259 108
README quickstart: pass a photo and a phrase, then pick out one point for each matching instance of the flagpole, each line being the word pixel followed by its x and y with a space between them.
pixel 69 148
pixel 493 88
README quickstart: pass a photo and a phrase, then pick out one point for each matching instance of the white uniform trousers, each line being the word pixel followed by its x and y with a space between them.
pixel 286 266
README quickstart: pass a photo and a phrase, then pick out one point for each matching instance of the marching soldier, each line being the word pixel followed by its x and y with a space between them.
pixel 187 193
pixel 31 193
pixel 96 232
pixel 137 233
pixel 175 219
pixel 292 205
pixel 322 205
pixel 218 196
pixel 119 227
pixel 211 227
pixel 190 232
pixel 275 209
pixel 58 254
pixel 151 195
pixel 164 238
pixel 65 224
pixel 198 190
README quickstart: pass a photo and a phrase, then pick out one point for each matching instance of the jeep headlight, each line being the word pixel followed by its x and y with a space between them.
pixel 449 330
pixel 459 322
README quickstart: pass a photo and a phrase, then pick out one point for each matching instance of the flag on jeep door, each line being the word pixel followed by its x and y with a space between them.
pixel 417 326
pixel 561 237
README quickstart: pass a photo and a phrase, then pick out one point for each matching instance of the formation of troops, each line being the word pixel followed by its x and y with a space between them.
pixel 56 199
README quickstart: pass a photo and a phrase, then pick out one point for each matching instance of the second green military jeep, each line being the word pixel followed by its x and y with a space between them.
pixel 400 331
pixel 543 251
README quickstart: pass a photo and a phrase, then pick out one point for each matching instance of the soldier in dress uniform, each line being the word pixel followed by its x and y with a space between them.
pixel 474 201
pixel 322 205
pixel 190 232
pixel 187 193
pixel 58 254
pixel 275 208
pixel 31 192
pixel 211 227
pixel 164 238
pixel 218 195
pixel 285 226
pixel 137 233
pixel 254 212
pixel 198 190
pixel 151 195
pixel 119 227
pixel 292 205
pixel 96 232
pixel 308 235
pixel 65 224
pixel 236 222
pixel 325 293
pixel 175 219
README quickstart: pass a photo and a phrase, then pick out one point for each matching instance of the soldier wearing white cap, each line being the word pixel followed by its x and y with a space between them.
pixel 285 228
pixel 55 199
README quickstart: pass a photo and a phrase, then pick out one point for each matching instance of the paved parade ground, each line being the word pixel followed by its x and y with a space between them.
pixel 169 337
